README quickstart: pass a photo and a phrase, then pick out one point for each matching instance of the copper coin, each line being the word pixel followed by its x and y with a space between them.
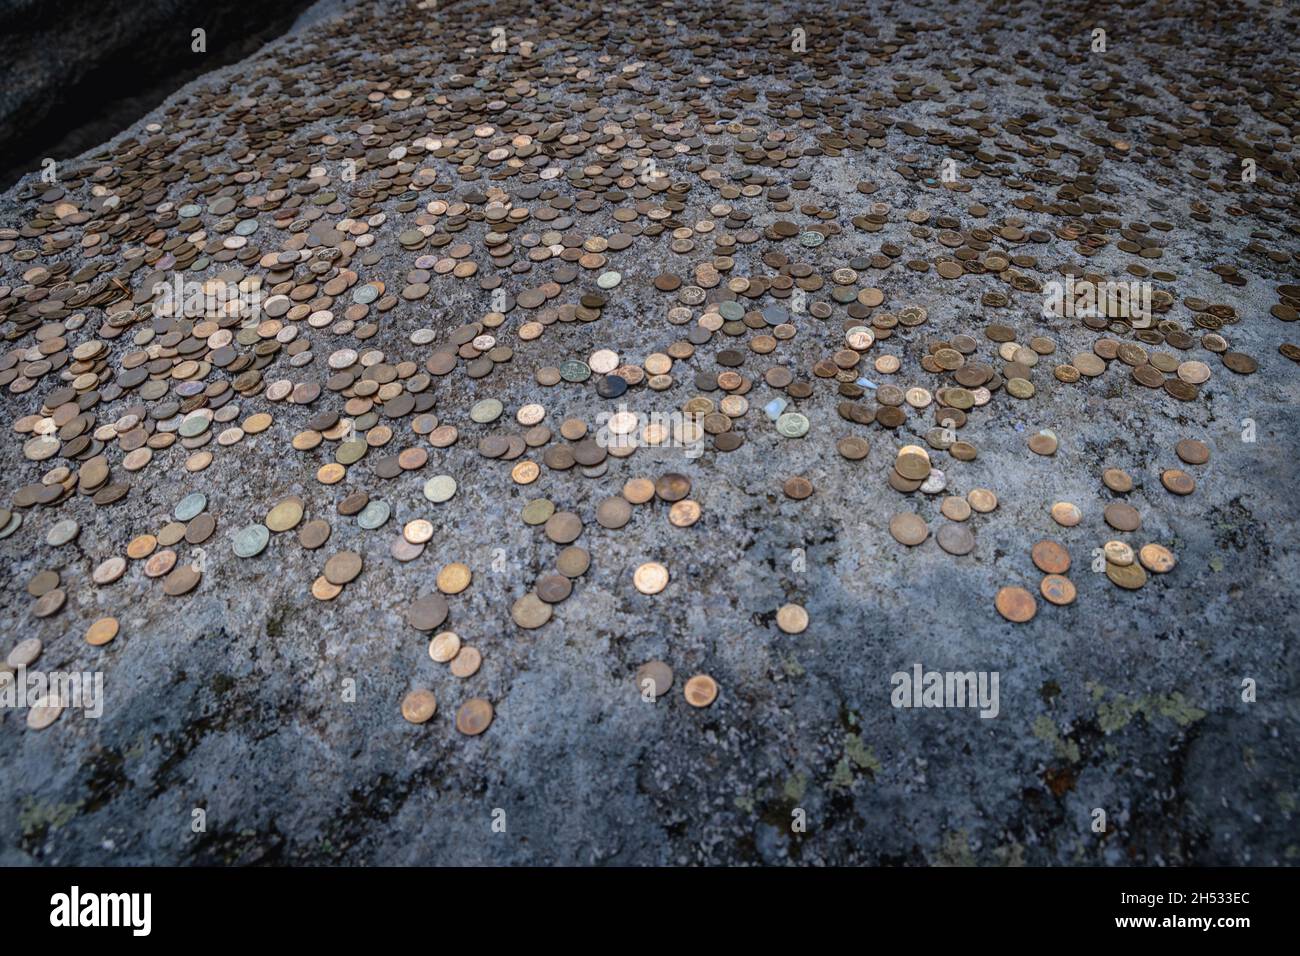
pixel 419 705
pixel 1057 589
pixel 553 588
pixel 1016 604
pixel 1192 452
pixel 1130 577
pixel 1066 514
pixel 181 581
pixel 1156 558
pixel 701 690
pixel 639 490
pixel 672 487
pixel 474 716
pixel 467 662
pixel 102 631
pixel 792 619
pixel 1178 481
pixel 684 513
pixel 314 534
pixel 797 488
pixel 1050 557
pixel 1122 517
pixel 908 528
pixel 650 578
pixel 530 611
pixel 1117 480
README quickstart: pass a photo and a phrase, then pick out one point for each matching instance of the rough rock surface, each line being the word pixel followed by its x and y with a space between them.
pixel 230 699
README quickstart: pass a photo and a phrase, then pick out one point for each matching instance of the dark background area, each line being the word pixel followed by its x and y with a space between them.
pixel 74 73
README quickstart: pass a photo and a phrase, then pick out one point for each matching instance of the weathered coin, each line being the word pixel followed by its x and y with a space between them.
pixel 343 567
pixel 530 611
pixel 955 508
pixel 109 570
pixel 419 705
pixel 251 541
pixel 1122 516
pixel 613 512
pixel 654 679
pixel 1118 552
pixel 639 490
pixel 1050 557
pixel 1117 480
pixel 650 578
pixel 563 527
pixel 190 506
pixel 466 663
pixel 1015 604
pixel 982 500
pixel 701 690
pixel 427 613
pixel 792 619
pixel 1057 589
pixel 1177 481
pixel 908 528
pixel 573 562
pixel 1192 451
pixel 956 539
pixel 797 488
pixel 792 425
pixel 1156 558
pixel 474 716
pixel 374 515
pixel 285 515
pixel 62 532
pixel 184 579
pixel 314 534
pixel 24 653
pixel 1066 514
pixel 44 711
pixel 440 488
pixel 1131 577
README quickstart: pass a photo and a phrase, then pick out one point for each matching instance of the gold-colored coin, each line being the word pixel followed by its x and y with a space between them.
pixel 792 619
pixel 454 578
pixel 684 513
pixel 419 705
pixel 102 631
pixel 650 578
pixel 1157 558
pixel 444 647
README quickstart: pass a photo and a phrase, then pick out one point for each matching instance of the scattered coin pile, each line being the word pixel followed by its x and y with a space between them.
pixel 596 237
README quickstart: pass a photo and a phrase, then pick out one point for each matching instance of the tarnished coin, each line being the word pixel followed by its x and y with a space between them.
pixel 573 562
pixel 427 613
pixel 1192 451
pixel 654 679
pixel 1130 577
pixel 982 500
pixel 1050 557
pixel 251 541
pixel 454 578
pixel 419 705
pixel 1177 481
pixel 1057 589
pixel 1122 516
pixel 908 528
pixel 466 663
pixel 1156 558
pixel 530 611
pixel 343 567
pixel 1066 514
pixel 44 711
pixel 956 539
pixel 474 716
pixel 440 488
pixel 24 653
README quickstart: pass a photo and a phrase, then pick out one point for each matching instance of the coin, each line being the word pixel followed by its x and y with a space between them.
pixel 466 663
pixel 1156 558
pixel 419 705
pixel 474 716
pixel 650 578
pixel 24 653
pixel 454 578
pixel 1192 452
pixel 563 527
pixel 908 528
pixel 1015 604
pixel 1131 577
pixel 440 488
pixel 251 541
pixel 1122 517
pixel 573 562
pixel 44 711
pixel 956 539
pixel 684 513
pixel 613 512
pixel 286 515
pixel 638 490
pixel 343 567
pixel 1057 589
pixel 792 619
pixel 654 678
pixel 701 690
pixel 427 613
pixel 1177 481
pixel 982 500
pixel 1066 514
pixel 530 611
pixel 797 488
pixel 444 646
pixel 1050 557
